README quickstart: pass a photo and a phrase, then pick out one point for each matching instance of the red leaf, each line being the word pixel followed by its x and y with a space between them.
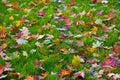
pixel 68 23
pixel 71 2
pixel 110 62
pixel 41 13
pixel 64 72
pixel 1 69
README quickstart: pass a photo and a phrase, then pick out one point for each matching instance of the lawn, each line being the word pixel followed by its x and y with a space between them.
pixel 59 40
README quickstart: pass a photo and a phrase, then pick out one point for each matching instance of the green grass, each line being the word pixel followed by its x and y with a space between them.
pixel 54 59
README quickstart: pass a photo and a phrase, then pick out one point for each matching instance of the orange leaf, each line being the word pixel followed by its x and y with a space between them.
pixel 64 72
pixel 30 78
pixel 4 45
pixel 44 74
pixel 64 50
pixel 32 4
pixel 2 34
pixel 15 5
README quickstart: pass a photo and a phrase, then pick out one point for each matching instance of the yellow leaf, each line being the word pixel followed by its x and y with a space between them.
pixel 26 10
pixel 18 23
pixel 11 18
pixel 76 60
pixel 106 16
pixel 119 38
pixel 91 49
pixel 15 5
pixel 95 55
pixel 45 0
pixel 2 28
pixel 95 28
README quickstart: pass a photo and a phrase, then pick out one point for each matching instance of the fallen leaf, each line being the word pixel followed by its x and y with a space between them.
pixel 41 13
pixel 79 43
pixel 1 69
pixel 47 41
pixel 101 72
pixel 110 62
pixel 32 4
pixel 68 23
pixel 30 78
pixel 64 72
pixel 44 75
pixel 11 18
pixel 99 12
pixel 79 74
pixel 15 5
pixel 3 34
pixel 76 60
pixel 4 45
pixel 98 21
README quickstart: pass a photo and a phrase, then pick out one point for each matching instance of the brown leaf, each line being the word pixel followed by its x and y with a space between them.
pixel 2 34
pixel 14 74
pixel 15 5
pixel 32 4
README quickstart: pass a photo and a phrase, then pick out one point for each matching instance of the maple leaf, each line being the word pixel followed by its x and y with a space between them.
pixel 21 41
pixel 110 62
pixel 64 72
pixel 99 12
pixel 79 74
pixel 15 5
pixel 30 78
pixel 76 60
pixel 11 18
pixel 32 4
pixel 68 23
pixel 41 13
pixel 3 34
pixel 80 43
pixel 1 69
pixel 71 3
